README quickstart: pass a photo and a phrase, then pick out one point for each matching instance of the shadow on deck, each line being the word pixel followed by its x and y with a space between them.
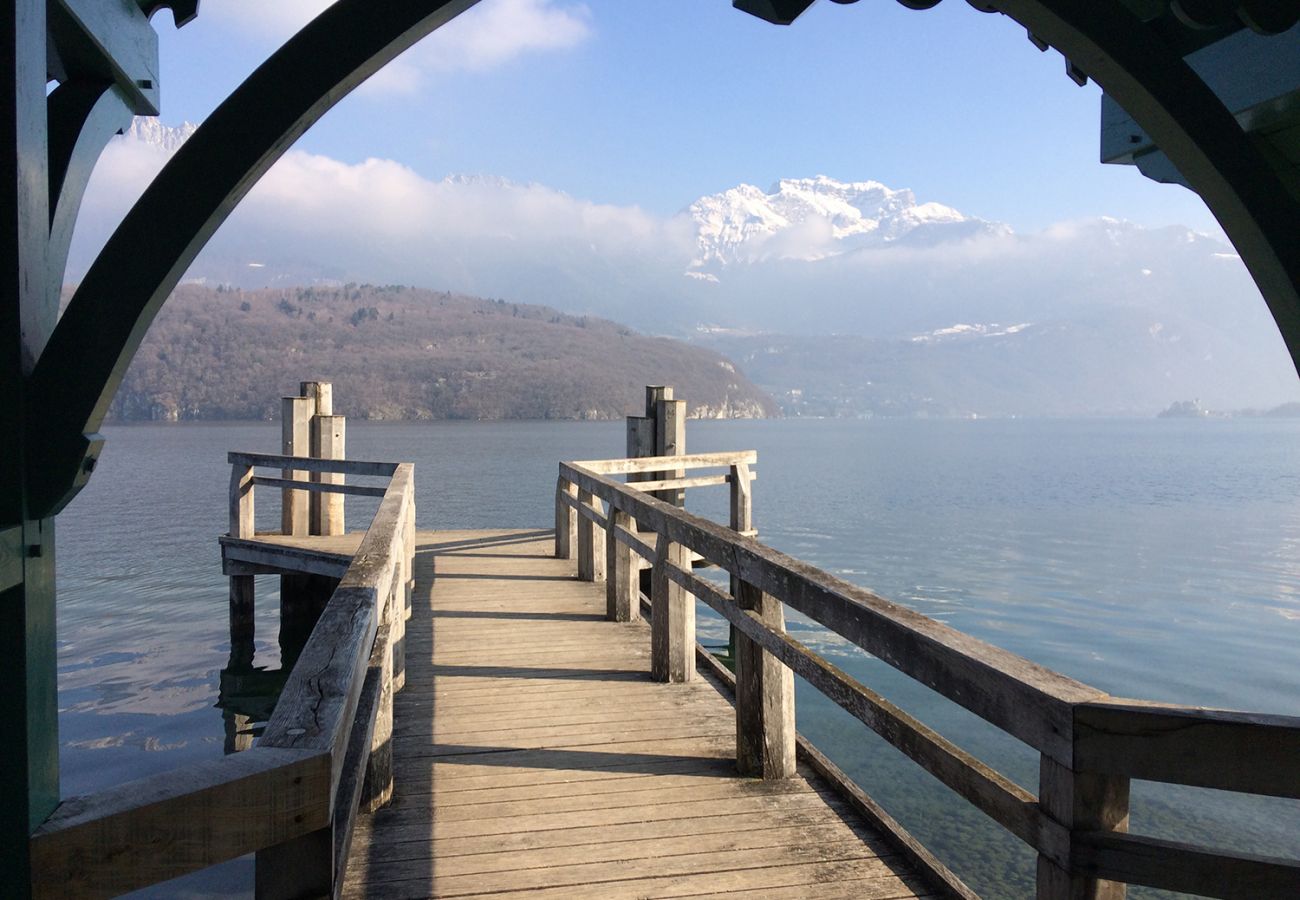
pixel 537 758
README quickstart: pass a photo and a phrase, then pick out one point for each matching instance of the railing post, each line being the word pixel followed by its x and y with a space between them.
pixel 742 519
pixel 300 867
pixel 566 518
pixel 623 577
pixel 295 440
pixel 241 502
pixel 1081 801
pixel 672 616
pixel 591 541
pixel 328 441
pixel 377 788
pixel 765 736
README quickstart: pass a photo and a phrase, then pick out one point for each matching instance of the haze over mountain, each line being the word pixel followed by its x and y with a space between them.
pixel 1161 314
pixel 403 353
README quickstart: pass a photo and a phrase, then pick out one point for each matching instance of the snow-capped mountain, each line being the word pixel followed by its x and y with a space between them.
pixel 149 130
pixel 813 218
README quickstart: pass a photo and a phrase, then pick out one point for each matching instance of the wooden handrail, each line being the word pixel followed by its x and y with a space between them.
pixel 659 463
pixel 311 464
pixel 1028 701
pixel 1250 753
pixel 293 797
pixel 1091 743
pixel 319 487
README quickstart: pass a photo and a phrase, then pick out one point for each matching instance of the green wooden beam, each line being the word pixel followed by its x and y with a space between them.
pixel 90 350
pixel 29 755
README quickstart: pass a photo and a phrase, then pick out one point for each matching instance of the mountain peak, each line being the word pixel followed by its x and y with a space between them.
pixel 813 218
pixel 151 131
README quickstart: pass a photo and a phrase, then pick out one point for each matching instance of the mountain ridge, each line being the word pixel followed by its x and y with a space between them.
pixel 407 353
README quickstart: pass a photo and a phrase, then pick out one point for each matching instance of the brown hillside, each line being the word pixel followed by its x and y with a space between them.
pixel 404 353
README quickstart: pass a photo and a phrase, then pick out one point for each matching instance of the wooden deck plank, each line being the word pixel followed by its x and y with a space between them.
pixel 535 758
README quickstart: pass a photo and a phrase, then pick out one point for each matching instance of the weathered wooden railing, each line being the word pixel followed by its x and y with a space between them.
pixel 1090 744
pixel 293 797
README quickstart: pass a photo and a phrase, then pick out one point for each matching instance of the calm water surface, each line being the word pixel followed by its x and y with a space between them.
pixel 1154 559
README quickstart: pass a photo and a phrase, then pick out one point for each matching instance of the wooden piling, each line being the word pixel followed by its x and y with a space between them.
pixel 242 607
pixel 295 440
pixel 670 440
pixel 328 442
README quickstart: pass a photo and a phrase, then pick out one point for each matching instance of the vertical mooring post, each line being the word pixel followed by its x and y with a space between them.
pixel 660 432
pixel 326 442
pixel 295 440
pixel 328 438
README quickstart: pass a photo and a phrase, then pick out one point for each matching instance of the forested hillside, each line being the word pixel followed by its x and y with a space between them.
pixel 403 353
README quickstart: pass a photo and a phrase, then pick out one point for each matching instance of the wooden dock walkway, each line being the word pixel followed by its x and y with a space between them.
pixel 486 713
pixel 534 757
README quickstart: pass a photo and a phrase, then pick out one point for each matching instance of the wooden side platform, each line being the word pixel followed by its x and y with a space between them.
pixel 535 758
pixel 280 554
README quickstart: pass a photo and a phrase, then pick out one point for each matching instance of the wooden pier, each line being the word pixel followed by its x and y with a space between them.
pixel 528 714
pixel 535 757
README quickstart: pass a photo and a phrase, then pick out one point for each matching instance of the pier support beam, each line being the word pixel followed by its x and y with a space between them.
pixel 242 608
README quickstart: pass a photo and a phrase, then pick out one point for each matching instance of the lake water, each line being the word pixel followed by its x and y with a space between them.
pixel 1153 559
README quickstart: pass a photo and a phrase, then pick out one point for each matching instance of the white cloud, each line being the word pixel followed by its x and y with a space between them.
pixel 381 221
pixel 489 34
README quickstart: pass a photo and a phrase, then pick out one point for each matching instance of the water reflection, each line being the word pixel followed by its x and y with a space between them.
pixel 248 693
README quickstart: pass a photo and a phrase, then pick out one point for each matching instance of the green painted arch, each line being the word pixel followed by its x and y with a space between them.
pixel 88 354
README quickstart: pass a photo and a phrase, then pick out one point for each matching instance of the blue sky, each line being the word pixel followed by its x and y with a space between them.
pixel 653 104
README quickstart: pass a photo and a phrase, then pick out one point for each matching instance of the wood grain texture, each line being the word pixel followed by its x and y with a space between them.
pixel 295 440
pixel 164 826
pixel 1027 700
pixel 672 625
pixel 1232 751
pixel 534 756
